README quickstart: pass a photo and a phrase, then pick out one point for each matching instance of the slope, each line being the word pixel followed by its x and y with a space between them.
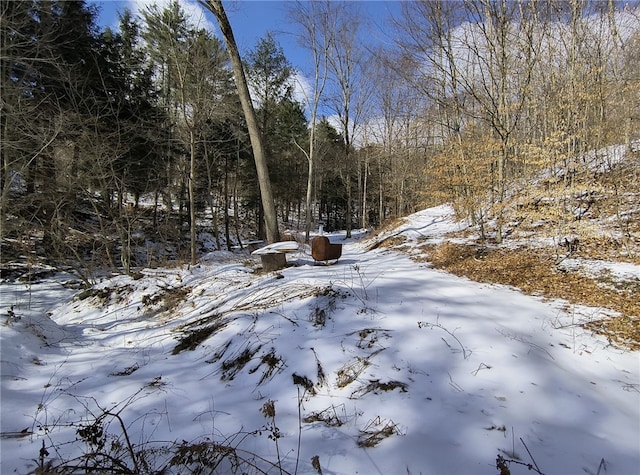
pixel 377 364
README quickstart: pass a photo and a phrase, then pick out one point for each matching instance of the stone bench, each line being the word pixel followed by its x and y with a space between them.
pixel 274 256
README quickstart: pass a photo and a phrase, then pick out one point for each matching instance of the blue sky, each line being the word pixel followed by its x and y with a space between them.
pixel 250 20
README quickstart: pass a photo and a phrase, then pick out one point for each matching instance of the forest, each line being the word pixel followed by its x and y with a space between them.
pixel 127 147
pixel 476 162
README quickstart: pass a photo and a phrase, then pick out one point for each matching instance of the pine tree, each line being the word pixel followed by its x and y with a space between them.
pixel 192 64
pixel 53 89
pixel 282 121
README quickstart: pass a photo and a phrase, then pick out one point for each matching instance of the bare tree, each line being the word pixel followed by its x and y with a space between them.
pixel 317 27
pixel 348 96
pixel 271 221
pixel 477 74
pixel 394 100
pixel 430 67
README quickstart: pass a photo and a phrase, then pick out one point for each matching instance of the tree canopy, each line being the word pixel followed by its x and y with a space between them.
pixel 125 146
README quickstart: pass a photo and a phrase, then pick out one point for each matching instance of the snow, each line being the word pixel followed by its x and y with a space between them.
pixel 446 372
pixel 593 267
pixel 277 247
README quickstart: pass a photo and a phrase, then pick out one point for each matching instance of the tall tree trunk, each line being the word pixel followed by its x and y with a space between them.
pixel 227 218
pixel 192 197
pixel 347 213
pixel 364 219
pixel 210 196
pixel 270 217
pixel 308 206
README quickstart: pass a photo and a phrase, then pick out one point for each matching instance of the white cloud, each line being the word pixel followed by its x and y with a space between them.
pixel 302 89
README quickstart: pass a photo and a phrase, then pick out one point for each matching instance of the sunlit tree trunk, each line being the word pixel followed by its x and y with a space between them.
pixel 270 217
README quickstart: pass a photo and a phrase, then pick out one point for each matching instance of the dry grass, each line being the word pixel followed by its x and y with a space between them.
pixel 232 366
pixel 349 372
pixel 375 386
pixel 376 431
pixel 534 272
pixel 328 416
pixel 395 241
pixel 192 338
pixel 166 300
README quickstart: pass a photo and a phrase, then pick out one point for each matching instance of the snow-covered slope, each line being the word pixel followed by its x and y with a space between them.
pixel 376 364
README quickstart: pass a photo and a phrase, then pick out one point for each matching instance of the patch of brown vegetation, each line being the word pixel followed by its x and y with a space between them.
pixel 376 431
pixel 328 416
pixel 624 330
pixel 608 248
pixel 349 372
pixel 396 240
pixel 164 301
pixel 596 206
pixel 375 386
pixel 273 364
pixel 232 366
pixel 534 272
pixel 390 225
pixel 192 338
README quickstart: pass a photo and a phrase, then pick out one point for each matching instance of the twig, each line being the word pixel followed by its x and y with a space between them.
pixel 299 429
pixel 530 456
pixel 465 353
pixel 134 459
pixel 522 340
pixel 454 385
pixel 481 366
pixel 504 470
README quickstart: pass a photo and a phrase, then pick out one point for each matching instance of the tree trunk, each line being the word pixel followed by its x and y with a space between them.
pixel 270 217
pixel 364 218
pixel 227 218
pixel 308 198
pixel 192 197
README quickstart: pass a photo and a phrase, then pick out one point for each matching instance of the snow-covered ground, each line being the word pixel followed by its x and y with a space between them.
pixel 377 364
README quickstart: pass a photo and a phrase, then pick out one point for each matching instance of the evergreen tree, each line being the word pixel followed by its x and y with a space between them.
pixel 288 165
pixel 141 165
pixel 195 82
pixel 269 74
pixel 331 191
pixel 282 121
pixel 52 87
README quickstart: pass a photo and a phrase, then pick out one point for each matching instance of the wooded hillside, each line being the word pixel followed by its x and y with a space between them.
pixel 116 143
